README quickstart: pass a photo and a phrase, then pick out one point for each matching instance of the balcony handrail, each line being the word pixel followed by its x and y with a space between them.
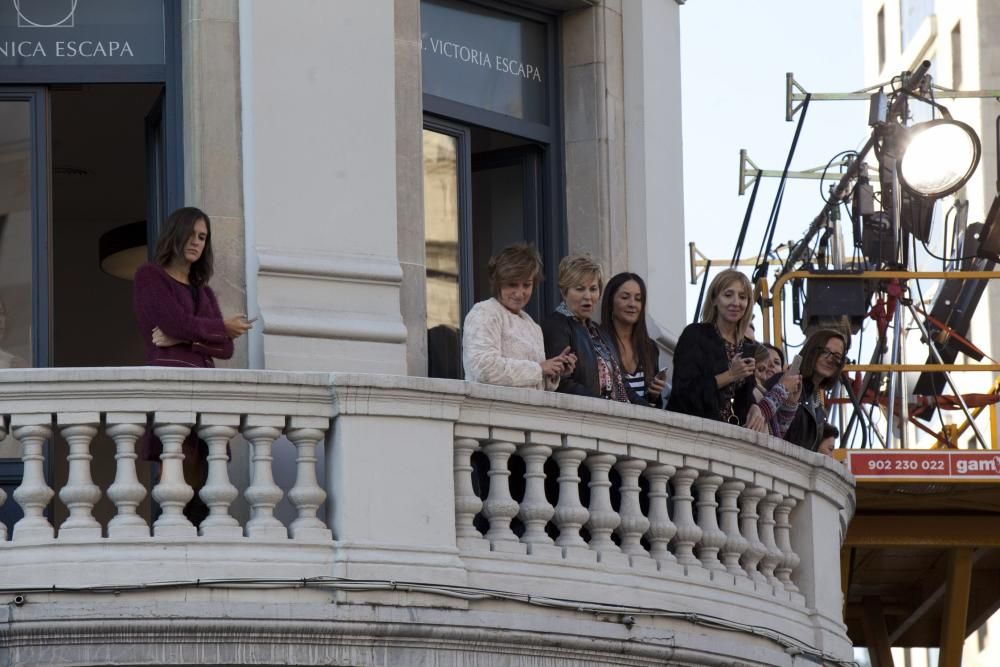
pixel 379 476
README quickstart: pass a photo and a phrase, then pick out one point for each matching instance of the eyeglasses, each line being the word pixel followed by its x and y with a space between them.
pixel 835 357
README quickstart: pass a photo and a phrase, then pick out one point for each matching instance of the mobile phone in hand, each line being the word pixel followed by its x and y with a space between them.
pixel 253 319
pixel 793 368
pixel 662 375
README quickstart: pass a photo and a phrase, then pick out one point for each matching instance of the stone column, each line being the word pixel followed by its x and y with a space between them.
pixel 80 494
pixel 34 494
pixel 213 155
pixel 126 492
pixel 321 207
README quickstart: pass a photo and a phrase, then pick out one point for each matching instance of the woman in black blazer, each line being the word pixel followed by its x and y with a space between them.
pixel 714 362
pixel 598 371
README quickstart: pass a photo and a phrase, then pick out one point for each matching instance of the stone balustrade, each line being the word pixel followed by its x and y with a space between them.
pixel 430 494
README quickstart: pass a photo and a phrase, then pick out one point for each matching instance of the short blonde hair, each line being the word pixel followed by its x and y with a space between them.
pixel 577 270
pixel 514 263
pixel 709 311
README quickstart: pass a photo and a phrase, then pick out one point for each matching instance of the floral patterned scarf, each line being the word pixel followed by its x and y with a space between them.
pixel 609 371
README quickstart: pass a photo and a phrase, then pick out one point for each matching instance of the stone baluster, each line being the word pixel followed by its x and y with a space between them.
pixel 33 494
pixel 755 550
pixel 688 532
pixel 126 492
pixel 773 555
pixel 536 510
pixel 218 493
pixel 3 494
pixel 172 492
pixel 782 534
pixel 661 528
pixel 263 494
pixel 499 507
pixel 633 524
pixel 735 544
pixel 712 537
pixel 603 519
pixel 570 513
pixel 467 503
pixel 80 494
pixel 307 495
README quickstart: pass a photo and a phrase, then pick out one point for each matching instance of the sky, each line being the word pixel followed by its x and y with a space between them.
pixel 734 56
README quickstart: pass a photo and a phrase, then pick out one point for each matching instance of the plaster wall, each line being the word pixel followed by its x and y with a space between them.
pixel 319 79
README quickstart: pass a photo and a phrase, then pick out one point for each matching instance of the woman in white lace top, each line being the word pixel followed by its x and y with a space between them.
pixel 501 344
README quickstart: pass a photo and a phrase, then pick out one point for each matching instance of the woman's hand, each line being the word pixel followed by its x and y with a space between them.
pixel 657 385
pixel 793 385
pixel 569 361
pixel 562 364
pixel 755 420
pixel 739 369
pixel 237 325
pixel 552 367
pixel 161 339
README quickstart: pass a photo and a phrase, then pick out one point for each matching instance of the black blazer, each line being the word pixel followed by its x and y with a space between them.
pixel 562 331
pixel 700 355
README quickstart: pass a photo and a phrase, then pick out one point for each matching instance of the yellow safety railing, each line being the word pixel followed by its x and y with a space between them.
pixel 776 303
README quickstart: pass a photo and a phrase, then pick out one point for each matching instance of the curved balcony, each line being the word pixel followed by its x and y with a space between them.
pixel 380 520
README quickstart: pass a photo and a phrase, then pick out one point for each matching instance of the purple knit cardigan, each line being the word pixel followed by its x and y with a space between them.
pixel 160 301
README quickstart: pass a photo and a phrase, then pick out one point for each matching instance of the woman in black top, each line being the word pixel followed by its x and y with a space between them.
pixel 714 362
pixel 623 319
pixel 598 369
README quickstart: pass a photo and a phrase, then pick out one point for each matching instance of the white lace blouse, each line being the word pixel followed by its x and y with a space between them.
pixel 499 347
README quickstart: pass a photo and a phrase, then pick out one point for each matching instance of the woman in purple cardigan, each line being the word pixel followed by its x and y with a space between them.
pixel 180 322
pixel 178 314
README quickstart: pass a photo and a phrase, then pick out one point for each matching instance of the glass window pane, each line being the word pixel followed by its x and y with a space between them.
pixel 15 234
pixel 498 209
pixel 442 256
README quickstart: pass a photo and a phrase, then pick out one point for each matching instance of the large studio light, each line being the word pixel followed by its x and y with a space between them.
pixel 939 157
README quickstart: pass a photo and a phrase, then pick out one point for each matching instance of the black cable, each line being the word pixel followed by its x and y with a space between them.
pixel 829 164
pixel 944 239
pixel 920 295
pixel 772 222
pixel 746 221
pixel 946 259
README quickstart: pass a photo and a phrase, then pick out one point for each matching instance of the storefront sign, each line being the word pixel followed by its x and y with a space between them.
pixel 81 32
pixel 484 58
pixel 909 464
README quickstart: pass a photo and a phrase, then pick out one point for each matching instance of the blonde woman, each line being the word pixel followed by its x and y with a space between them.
pixel 714 360
pixel 598 370
pixel 501 344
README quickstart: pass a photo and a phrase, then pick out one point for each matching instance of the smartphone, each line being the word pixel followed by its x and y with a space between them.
pixel 253 319
pixel 662 375
pixel 793 368
pixel 748 350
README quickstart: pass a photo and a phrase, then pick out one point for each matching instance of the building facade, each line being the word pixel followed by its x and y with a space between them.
pixel 360 162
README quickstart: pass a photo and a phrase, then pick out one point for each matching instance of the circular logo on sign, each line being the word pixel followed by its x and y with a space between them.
pixel 45 13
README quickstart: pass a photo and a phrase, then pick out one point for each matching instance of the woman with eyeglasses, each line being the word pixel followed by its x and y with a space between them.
pixel 823 358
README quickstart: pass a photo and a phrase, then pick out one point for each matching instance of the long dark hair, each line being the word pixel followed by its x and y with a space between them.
pixel 177 229
pixel 641 342
pixel 810 354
